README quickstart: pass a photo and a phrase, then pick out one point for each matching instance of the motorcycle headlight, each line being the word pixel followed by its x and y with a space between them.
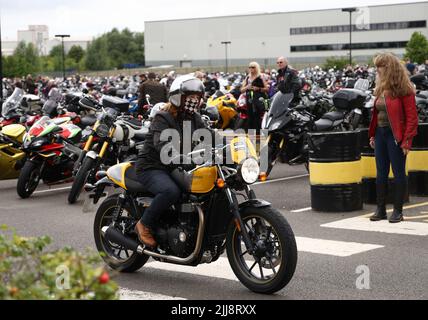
pixel 38 143
pixel 276 125
pixel 102 131
pixel 250 170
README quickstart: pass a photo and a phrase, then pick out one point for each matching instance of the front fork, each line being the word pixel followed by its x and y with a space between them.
pixel 234 209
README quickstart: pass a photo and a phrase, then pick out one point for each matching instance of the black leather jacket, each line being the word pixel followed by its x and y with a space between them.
pixel 289 82
pixel 149 157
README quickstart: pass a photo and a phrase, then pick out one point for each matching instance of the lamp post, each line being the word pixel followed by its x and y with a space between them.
pixel 225 45
pixel 350 10
pixel 62 36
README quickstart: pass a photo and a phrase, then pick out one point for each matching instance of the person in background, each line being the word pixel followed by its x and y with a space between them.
pixel 30 86
pixel 411 67
pixel 393 125
pixel 143 78
pixel 156 91
pixel 255 88
pixel 287 80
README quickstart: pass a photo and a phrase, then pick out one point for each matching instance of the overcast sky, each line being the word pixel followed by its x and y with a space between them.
pixel 84 19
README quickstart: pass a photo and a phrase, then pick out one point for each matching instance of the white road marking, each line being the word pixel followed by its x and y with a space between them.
pixel 52 190
pixel 127 294
pixel 364 224
pixel 333 248
pixel 301 210
pixel 282 179
pixel 221 268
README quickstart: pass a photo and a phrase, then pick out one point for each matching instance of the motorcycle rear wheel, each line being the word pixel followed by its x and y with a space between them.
pixel 276 258
pixel 115 256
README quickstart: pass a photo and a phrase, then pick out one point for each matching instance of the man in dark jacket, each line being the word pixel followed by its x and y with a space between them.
pixel 30 86
pixel 287 79
pixel 157 91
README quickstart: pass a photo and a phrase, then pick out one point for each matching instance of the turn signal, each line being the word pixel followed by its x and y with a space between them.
pixel 263 177
pixel 221 183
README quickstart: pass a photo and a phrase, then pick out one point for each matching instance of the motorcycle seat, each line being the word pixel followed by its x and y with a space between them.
pixel 132 183
pixel 323 125
pixel 134 123
pixel 88 121
pixel 333 116
pixel 140 136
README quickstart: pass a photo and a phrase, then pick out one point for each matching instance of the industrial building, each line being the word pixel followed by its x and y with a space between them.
pixel 307 37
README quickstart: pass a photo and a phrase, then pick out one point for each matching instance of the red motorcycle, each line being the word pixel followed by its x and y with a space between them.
pixel 50 147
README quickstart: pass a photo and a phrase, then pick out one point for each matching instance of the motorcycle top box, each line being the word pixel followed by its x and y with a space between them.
pixel 120 105
pixel 349 99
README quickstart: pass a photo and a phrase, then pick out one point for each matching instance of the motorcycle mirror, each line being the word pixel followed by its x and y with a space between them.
pixel 147 96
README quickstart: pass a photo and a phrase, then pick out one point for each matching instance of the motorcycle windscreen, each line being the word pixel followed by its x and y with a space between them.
pixel 280 106
pixel 13 102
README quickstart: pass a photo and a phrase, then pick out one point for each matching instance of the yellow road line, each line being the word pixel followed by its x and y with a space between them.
pixel 404 208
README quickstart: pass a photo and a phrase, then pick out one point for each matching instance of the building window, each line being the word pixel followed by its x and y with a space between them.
pixel 345 46
pixel 373 26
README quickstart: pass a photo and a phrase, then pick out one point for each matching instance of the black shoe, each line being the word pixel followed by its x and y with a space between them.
pixel 380 200
pixel 400 191
pixel 397 216
pixel 379 215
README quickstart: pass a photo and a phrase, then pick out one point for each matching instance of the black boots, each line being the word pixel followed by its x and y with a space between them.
pixel 397 215
pixel 380 200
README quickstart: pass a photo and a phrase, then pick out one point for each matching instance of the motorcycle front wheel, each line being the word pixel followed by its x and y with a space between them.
pixel 29 179
pixel 271 267
pixel 80 180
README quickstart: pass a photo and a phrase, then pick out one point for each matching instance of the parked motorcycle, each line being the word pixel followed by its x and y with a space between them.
pixel 11 157
pixel 19 109
pixel 50 153
pixel 209 220
pixel 221 108
pixel 109 143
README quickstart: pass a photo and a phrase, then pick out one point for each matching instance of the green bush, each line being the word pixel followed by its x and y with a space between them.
pixel 27 272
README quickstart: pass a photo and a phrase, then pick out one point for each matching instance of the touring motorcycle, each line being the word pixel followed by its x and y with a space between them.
pixel 208 221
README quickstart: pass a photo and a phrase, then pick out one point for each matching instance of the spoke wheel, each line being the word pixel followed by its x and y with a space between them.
pixel 271 265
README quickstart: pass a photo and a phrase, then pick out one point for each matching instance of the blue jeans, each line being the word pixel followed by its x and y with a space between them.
pixel 166 193
pixel 388 152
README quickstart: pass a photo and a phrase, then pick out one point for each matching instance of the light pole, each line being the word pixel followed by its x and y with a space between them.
pixel 225 45
pixel 62 36
pixel 350 10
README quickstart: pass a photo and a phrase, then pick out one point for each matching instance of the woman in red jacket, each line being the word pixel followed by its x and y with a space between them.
pixel 392 128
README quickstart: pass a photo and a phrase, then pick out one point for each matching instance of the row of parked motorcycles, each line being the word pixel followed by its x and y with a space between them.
pixel 67 138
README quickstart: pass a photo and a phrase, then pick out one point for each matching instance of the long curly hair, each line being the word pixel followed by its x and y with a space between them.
pixel 394 81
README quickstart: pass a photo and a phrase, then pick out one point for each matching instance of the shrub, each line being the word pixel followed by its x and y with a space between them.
pixel 27 272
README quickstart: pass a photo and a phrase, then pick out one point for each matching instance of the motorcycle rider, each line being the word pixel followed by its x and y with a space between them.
pixel 287 79
pixel 185 98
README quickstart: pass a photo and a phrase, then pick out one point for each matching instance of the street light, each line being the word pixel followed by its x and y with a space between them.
pixel 225 45
pixel 350 10
pixel 62 36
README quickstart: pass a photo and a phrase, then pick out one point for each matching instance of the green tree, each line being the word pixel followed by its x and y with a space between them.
pixel 76 53
pixel 56 58
pixel 25 60
pixel 417 48
pixel 97 57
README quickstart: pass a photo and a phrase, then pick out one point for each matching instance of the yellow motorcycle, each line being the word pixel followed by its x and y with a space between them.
pixel 11 157
pixel 207 222
pixel 221 109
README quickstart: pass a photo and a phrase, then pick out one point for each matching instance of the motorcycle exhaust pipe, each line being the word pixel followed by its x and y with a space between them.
pixel 113 235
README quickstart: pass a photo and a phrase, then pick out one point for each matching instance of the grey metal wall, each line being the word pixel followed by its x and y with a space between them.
pixel 264 37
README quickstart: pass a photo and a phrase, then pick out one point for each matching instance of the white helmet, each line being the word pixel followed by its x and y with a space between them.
pixel 185 85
